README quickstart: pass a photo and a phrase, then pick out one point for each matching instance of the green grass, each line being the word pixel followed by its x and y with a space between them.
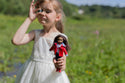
pixel 94 58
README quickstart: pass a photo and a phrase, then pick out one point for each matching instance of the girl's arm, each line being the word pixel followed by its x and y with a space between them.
pixel 21 37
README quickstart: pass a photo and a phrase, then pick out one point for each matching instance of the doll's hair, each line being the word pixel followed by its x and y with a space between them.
pixel 64 41
pixel 59 9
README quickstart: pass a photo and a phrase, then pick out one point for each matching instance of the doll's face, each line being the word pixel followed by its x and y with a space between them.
pixel 60 40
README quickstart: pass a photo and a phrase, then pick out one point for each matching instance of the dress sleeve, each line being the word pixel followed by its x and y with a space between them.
pixel 37 33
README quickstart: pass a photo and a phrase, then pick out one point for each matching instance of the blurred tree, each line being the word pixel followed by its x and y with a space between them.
pixel 14 7
pixel 95 10
pixel 69 9
pixel 103 11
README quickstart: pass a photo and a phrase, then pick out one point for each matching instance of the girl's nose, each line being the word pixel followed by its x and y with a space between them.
pixel 43 13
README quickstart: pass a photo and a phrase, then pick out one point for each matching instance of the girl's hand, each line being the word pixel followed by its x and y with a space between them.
pixel 61 63
pixel 32 11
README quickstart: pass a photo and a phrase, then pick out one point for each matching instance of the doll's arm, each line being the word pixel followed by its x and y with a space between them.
pixel 52 48
pixel 66 53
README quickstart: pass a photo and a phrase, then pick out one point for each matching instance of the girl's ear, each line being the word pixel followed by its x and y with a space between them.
pixel 58 17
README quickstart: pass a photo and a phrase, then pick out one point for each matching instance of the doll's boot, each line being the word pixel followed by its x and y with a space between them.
pixel 59 70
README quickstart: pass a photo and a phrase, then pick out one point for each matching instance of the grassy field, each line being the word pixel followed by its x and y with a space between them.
pixel 97 54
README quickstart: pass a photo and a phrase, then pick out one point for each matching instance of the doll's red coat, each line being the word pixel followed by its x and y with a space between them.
pixel 61 49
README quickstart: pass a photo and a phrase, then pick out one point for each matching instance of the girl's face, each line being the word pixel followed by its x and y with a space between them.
pixel 60 40
pixel 48 15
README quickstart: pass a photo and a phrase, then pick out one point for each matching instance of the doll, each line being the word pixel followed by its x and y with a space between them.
pixel 59 47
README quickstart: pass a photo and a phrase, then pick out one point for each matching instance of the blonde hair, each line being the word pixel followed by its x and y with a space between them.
pixel 59 9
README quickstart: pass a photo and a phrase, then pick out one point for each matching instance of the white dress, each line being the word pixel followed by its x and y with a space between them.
pixel 40 67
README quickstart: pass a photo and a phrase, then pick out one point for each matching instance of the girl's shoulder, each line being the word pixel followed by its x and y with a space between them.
pixel 36 33
pixel 38 30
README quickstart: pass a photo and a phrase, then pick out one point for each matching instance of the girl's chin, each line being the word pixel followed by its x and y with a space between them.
pixel 42 22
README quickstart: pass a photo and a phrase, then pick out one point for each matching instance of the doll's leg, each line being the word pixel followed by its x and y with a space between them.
pixel 57 56
pixel 58 70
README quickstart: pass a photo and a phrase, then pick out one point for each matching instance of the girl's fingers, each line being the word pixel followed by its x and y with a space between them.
pixel 62 67
pixel 54 60
pixel 36 3
pixel 32 3
pixel 59 62
pixel 62 58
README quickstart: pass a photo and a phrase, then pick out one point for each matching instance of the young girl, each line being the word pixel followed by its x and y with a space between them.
pixel 40 68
